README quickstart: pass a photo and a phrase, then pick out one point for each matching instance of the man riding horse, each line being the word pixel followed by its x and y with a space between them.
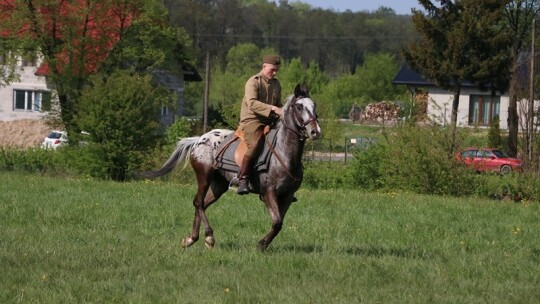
pixel 261 106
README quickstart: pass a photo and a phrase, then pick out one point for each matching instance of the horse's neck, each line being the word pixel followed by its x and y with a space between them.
pixel 290 144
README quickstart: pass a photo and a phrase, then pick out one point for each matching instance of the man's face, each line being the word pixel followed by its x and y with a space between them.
pixel 269 70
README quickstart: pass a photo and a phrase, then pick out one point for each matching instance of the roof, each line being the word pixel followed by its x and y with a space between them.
pixel 190 73
pixel 408 76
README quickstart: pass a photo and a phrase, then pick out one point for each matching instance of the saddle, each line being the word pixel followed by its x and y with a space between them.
pixel 233 148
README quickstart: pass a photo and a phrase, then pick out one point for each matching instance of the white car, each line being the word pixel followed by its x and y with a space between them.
pixel 54 140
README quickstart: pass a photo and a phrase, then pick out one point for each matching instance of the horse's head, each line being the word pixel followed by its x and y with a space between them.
pixel 300 114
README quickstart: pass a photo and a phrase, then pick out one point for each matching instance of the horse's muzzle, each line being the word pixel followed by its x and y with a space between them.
pixel 314 131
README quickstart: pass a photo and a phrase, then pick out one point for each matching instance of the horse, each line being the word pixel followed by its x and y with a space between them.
pixel 276 185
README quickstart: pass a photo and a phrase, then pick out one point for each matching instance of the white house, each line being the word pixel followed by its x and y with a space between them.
pixel 30 96
pixel 476 107
pixel 27 98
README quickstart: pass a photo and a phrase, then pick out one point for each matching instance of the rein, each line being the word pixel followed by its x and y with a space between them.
pixel 296 179
pixel 302 134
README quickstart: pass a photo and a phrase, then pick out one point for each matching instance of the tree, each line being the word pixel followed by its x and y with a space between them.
pixel 460 41
pixel 519 14
pixel 121 113
pixel 375 78
pixel 74 38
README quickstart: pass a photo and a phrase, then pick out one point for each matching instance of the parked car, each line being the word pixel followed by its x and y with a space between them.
pixel 489 159
pixel 54 140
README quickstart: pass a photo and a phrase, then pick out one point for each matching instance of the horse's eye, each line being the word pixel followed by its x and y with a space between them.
pixel 299 106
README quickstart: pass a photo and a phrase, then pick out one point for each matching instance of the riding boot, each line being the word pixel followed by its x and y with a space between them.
pixel 243 175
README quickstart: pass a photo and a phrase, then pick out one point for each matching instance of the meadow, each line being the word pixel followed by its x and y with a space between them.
pixel 81 240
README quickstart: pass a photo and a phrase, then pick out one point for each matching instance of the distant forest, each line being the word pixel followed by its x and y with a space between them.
pixel 337 41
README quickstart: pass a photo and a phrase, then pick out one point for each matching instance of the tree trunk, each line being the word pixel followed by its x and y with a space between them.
pixel 513 118
pixel 453 118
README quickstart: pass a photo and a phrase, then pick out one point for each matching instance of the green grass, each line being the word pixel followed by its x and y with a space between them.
pixel 76 240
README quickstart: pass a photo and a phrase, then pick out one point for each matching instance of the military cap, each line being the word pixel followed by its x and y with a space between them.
pixel 272 59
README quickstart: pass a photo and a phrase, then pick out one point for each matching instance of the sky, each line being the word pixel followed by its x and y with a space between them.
pixel 402 7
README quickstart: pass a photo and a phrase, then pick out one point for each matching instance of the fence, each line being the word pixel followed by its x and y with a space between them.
pixel 329 150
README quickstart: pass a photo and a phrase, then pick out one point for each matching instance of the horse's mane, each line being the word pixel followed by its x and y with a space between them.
pixel 287 103
pixel 300 91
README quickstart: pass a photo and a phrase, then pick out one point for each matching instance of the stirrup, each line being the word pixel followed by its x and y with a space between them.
pixel 233 184
pixel 243 188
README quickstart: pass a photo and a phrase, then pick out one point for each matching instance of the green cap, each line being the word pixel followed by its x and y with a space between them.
pixel 272 59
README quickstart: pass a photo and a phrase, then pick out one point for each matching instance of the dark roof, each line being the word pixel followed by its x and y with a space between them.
pixel 408 76
pixel 190 73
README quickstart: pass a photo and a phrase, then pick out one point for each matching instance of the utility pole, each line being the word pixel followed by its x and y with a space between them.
pixel 530 109
pixel 206 92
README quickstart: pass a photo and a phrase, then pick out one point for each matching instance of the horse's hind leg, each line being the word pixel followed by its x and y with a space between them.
pixel 211 193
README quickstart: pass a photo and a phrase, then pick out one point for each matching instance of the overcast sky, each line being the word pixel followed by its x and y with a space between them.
pixel 402 7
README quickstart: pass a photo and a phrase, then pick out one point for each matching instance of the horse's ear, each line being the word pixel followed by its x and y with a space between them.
pixel 301 90
pixel 297 90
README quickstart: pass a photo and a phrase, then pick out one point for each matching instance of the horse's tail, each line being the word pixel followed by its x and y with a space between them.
pixel 180 154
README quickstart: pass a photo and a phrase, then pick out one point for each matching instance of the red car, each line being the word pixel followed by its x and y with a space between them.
pixel 489 159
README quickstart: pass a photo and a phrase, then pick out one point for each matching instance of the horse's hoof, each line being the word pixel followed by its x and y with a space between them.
pixel 261 247
pixel 209 242
pixel 187 241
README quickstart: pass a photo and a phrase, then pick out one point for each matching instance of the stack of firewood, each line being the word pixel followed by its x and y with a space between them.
pixel 380 112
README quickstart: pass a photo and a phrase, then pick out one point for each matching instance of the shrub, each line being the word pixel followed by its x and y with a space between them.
pixel 327 175
pixel 122 115
pixel 179 129
pixel 367 166
pixel 416 159
pixel 29 160
pixel 494 137
pixel 420 159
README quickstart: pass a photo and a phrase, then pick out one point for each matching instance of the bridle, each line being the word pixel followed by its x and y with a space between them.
pixel 302 133
pixel 299 123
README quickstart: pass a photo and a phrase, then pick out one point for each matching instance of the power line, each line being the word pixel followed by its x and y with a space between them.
pixel 361 37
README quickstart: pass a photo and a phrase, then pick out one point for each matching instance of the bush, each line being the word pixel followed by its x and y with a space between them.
pixel 327 175
pixel 511 187
pixel 416 159
pixel 122 115
pixel 367 166
pixel 420 159
pixel 179 129
pixel 29 160
pixel 494 137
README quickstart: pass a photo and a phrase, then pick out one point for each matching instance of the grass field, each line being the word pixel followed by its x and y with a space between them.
pixel 76 241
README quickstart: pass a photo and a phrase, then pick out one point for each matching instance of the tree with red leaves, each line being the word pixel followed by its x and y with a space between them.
pixel 78 38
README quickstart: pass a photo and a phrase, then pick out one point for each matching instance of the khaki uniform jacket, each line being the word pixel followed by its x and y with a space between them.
pixel 259 96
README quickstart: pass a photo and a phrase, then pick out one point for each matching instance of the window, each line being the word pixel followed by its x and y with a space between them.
pixel 483 108
pixel 164 111
pixel 34 101
pixel 29 60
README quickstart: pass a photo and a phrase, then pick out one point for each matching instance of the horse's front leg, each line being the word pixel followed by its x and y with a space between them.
pixel 277 209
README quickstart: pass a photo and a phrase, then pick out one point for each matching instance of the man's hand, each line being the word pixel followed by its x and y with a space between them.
pixel 277 110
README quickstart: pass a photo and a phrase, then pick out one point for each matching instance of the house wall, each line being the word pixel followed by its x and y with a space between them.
pixel 28 81
pixel 176 85
pixel 440 106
